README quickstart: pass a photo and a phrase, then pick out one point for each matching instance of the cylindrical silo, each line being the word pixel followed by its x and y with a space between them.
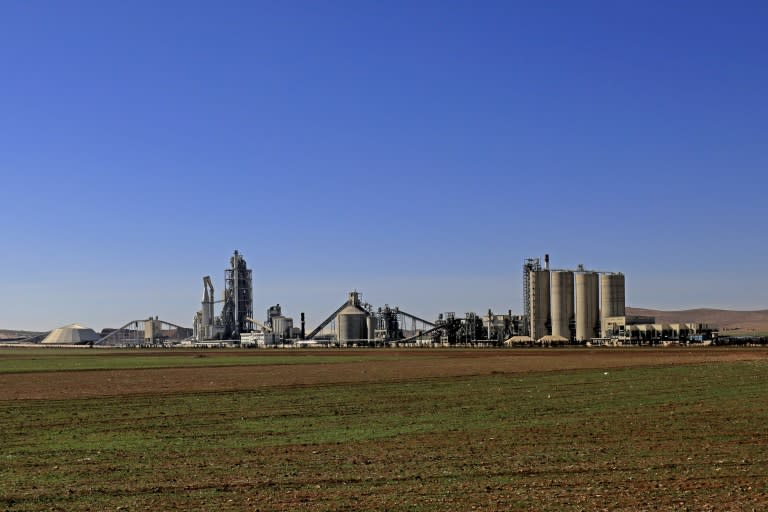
pixel 280 325
pixel 288 327
pixel 612 298
pixel 562 303
pixel 371 325
pixel 539 298
pixel 587 305
pixel 350 324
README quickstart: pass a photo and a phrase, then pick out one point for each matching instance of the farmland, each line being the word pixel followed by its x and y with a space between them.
pixel 396 430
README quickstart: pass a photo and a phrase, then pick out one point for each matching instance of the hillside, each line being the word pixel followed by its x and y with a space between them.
pixel 744 322
pixel 9 334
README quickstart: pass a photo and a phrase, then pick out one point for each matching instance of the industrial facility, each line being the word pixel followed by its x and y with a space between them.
pixel 353 323
pixel 585 306
pixel 146 332
pixel 570 304
pixel 237 310
pixel 560 307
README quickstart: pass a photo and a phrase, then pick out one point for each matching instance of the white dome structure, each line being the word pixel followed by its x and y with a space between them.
pixel 73 334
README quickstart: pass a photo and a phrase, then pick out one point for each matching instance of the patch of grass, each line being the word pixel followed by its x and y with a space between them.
pixel 78 360
pixel 632 439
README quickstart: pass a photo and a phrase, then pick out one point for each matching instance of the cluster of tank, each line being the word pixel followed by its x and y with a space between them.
pixel 570 304
pixel 560 305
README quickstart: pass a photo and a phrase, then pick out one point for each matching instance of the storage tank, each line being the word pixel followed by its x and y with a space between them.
pixel 539 299
pixel 562 303
pixel 612 298
pixel 351 324
pixel 278 325
pixel 371 325
pixel 282 326
pixel 587 305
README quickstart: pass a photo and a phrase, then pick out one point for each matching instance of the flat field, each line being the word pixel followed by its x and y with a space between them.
pixel 572 429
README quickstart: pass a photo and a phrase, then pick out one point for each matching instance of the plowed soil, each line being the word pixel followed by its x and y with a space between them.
pixel 398 365
pixel 397 430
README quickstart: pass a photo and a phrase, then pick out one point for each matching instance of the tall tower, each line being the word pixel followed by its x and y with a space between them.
pixel 587 305
pixel 612 297
pixel 562 303
pixel 536 297
pixel 238 297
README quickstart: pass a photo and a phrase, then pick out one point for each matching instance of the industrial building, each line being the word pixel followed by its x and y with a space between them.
pixel 645 330
pixel 358 323
pixel 566 303
pixel 237 309
pixel 586 306
pixel 560 306
pixel 150 331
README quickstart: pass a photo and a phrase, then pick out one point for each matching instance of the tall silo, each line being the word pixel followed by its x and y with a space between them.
pixel 351 324
pixel 539 300
pixel 562 303
pixel 587 305
pixel 371 326
pixel 282 326
pixel 612 298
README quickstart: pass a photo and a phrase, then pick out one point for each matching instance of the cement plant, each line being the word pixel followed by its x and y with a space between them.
pixel 561 306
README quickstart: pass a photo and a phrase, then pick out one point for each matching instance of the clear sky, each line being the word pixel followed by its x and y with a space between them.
pixel 417 151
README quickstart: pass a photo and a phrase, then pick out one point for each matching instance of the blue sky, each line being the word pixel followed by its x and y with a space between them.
pixel 416 151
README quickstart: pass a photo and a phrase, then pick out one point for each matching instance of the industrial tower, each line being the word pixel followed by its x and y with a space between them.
pixel 238 298
pixel 237 310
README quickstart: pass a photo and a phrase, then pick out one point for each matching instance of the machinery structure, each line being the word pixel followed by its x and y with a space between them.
pixel 237 310
pixel 145 332
pixel 560 306
pixel 357 323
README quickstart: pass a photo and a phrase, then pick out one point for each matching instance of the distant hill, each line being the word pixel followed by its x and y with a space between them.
pixel 740 322
pixel 9 334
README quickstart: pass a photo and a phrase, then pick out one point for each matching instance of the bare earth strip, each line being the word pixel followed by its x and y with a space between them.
pixel 410 365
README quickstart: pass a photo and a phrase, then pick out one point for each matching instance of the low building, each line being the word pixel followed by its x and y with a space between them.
pixel 645 330
pixel 259 339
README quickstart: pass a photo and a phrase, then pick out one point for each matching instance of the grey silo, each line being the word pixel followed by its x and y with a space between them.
pixel 587 305
pixel 611 298
pixel 371 325
pixel 540 302
pixel 351 324
pixel 562 303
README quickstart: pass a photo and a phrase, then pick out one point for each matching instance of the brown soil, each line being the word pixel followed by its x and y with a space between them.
pixel 405 365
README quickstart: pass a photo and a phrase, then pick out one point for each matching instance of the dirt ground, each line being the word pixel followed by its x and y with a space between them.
pixel 399 365
pixel 678 434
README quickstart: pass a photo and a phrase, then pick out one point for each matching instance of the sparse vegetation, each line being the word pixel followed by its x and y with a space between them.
pixel 44 360
pixel 633 439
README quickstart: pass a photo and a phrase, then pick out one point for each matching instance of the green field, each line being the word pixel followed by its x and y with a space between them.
pixel 36 360
pixel 659 438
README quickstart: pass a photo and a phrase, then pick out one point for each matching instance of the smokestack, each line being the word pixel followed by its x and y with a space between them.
pixel 303 330
pixel 546 262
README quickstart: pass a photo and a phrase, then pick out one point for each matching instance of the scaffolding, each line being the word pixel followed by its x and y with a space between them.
pixel 238 298
pixel 529 298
